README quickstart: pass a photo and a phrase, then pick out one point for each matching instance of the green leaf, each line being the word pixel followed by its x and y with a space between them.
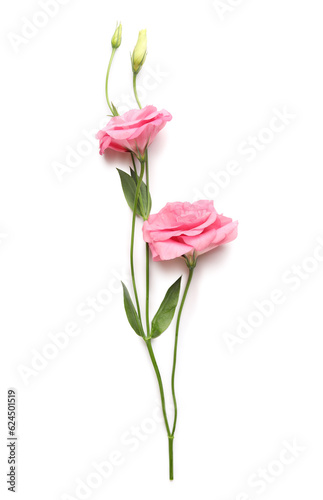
pixel 129 189
pixel 166 311
pixel 146 198
pixel 114 110
pixel 131 312
pixel 129 185
pixel 134 175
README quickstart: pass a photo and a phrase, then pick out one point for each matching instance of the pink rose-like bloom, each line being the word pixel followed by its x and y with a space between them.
pixel 133 131
pixel 182 228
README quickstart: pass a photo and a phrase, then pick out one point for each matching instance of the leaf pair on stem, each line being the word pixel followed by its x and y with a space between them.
pixel 163 316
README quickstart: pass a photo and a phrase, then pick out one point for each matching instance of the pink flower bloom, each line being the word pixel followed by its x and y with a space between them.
pixel 133 131
pixel 182 228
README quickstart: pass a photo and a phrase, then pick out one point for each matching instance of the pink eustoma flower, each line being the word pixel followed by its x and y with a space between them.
pixel 133 131
pixel 187 229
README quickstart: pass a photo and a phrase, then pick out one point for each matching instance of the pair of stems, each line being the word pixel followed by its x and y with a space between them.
pixel 143 168
pixel 170 433
pixel 134 83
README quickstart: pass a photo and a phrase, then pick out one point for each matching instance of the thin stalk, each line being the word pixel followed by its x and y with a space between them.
pixel 191 269
pixel 171 459
pixel 107 81
pixel 147 183
pixel 147 290
pixel 147 252
pixel 134 83
pixel 160 383
pixel 133 237
pixel 133 162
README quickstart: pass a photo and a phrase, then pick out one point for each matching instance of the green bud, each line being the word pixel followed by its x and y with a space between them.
pixel 140 52
pixel 116 39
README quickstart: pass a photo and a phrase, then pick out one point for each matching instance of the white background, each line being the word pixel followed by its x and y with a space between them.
pixel 222 78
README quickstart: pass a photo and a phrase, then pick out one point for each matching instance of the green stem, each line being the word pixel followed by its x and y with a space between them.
pixel 133 237
pixel 147 252
pixel 107 81
pixel 134 82
pixel 160 383
pixel 191 269
pixel 133 162
pixel 170 454
pixel 147 174
pixel 147 290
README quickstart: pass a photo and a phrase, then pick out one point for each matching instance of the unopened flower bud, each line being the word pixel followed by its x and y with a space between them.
pixel 116 39
pixel 140 52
